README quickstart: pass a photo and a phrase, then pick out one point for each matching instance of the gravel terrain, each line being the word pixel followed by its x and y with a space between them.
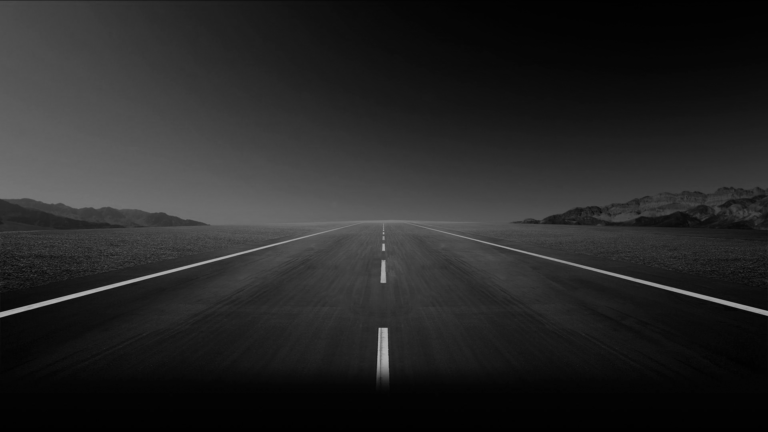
pixel 32 258
pixel 739 256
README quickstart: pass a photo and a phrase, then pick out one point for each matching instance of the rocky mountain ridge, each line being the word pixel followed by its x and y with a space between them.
pixel 727 207
pixel 106 215
pixel 15 217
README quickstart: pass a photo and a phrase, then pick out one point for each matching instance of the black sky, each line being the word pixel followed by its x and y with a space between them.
pixel 289 111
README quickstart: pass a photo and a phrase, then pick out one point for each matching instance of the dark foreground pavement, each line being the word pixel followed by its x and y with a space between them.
pixel 470 326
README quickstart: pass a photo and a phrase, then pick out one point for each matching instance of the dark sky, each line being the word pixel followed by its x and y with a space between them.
pixel 286 111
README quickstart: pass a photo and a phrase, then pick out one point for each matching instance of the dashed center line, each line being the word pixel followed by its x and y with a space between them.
pixel 382 361
pixel 383 271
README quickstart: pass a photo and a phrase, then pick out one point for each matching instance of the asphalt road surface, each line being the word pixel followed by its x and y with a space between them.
pixel 464 321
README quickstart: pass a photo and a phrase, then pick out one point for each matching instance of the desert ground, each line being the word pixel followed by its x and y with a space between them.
pixel 32 258
pixel 739 256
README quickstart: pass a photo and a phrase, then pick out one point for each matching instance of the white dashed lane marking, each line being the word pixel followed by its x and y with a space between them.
pixel 383 271
pixel 382 362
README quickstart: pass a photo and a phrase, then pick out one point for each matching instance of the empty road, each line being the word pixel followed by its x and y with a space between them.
pixel 389 309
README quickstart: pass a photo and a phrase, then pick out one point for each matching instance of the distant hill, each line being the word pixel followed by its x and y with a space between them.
pixel 15 217
pixel 107 215
pixel 725 208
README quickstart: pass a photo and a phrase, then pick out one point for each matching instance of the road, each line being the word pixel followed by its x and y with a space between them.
pixel 462 318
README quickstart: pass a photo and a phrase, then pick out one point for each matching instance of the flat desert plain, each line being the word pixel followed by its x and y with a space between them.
pixel 34 258
pixel 738 256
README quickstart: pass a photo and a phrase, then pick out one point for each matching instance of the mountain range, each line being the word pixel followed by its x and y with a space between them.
pixel 28 213
pixel 727 207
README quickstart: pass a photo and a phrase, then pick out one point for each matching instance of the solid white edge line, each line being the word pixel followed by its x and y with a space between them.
pixel 9 312
pixel 383 271
pixel 653 284
pixel 382 361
